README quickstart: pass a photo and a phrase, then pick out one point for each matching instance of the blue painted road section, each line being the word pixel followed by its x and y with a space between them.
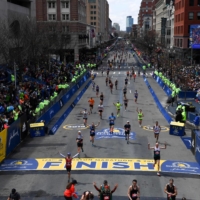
pixel 67 112
pixel 187 142
pixel 160 107
pixel 118 133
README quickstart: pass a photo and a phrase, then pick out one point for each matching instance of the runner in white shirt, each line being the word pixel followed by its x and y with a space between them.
pixel 100 109
pixel 85 116
pixel 156 130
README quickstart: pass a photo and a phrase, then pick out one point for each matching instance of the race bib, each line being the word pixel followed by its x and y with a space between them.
pixel 106 198
pixel 134 195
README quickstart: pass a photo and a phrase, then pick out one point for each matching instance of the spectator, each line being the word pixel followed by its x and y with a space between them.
pixel 14 195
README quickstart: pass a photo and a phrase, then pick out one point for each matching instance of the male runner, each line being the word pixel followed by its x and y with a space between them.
pixel 171 190
pixel 156 130
pixel 134 191
pixel 125 91
pixel 134 76
pixel 127 128
pixel 92 132
pixel 157 149
pixel 93 85
pixel 100 109
pixel 116 83
pixel 140 116
pixel 136 96
pixel 112 119
pixel 118 106
pixel 68 165
pixel 111 86
pixel 101 97
pixel 97 91
pixel 107 81
pixel 126 81
pixel 79 141
pixel 85 113
pixel 91 103
pixel 125 103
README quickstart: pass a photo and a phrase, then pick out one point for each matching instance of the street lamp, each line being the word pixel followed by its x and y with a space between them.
pixel 171 52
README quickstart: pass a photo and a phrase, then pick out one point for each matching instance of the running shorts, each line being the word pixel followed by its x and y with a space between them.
pixel 91 106
pixel 127 132
pixel 68 169
pixel 92 134
pixel 79 144
pixel 125 104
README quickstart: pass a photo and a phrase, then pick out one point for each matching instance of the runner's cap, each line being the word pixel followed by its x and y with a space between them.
pixel 69 154
pixel 79 131
pixel 127 121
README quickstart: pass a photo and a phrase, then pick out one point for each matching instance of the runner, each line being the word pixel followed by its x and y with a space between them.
pixel 105 193
pixel 107 81
pixel 125 103
pixel 111 86
pixel 79 141
pixel 100 109
pixel 97 91
pixel 92 132
pixel 127 74
pixel 101 97
pixel 70 191
pixel 156 130
pixel 125 91
pixel 156 149
pixel 134 76
pixel 108 71
pixel 112 119
pixel 118 106
pixel 130 75
pixel 93 85
pixel 116 83
pixel 85 113
pixel 126 81
pixel 91 103
pixel 140 117
pixel 136 96
pixel 102 71
pixel 134 191
pixel 127 128
pixel 68 165
pixel 171 190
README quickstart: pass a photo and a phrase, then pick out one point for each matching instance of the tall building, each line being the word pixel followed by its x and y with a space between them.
pixel 116 26
pixel 98 15
pixel 66 16
pixel 11 10
pixel 187 14
pixel 146 7
pixel 129 23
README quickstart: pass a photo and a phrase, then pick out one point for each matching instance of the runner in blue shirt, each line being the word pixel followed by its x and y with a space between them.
pixel 112 119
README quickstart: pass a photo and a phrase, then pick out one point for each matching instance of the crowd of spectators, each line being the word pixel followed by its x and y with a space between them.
pixel 39 84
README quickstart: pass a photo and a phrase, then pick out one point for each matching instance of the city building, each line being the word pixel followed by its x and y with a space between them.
pixel 147 23
pixel 116 26
pixel 146 9
pixel 10 10
pixel 134 30
pixel 129 23
pixel 98 16
pixel 187 14
pixel 68 17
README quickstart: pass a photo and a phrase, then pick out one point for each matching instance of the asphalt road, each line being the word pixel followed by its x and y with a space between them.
pixel 51 184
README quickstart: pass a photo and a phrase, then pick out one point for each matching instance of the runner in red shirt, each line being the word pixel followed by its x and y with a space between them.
pixel 68 165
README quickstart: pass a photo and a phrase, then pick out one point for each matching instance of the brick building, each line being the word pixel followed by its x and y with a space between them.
pixel 68 17
pixel 187 13
pixel 145 10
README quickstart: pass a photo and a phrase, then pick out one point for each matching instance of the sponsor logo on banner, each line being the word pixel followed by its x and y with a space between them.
pixel 24 127
pixel 75 126
pixel 14 134
pixel 67 96
pixel 181 167
pixel 187 142
pixel 51 112
pixel 61 103
pixel 14 165
pixel 54 129
pixel 118 133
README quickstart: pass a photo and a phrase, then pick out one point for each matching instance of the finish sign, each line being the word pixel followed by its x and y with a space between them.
pixel 118 133
pixel 150 128
pixel 75 127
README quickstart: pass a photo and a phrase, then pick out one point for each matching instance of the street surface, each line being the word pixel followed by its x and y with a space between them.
pixel 51 184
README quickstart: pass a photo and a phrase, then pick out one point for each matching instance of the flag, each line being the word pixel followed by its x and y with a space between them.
pixel 92 33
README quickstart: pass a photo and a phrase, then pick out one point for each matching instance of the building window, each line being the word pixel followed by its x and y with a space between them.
pixel 65 4
pixel 52 17
pixel 94 23
pixel 191 15
pixel 91 18
pixel 198 2
pixel 191 2
pixel 51 4
pixel 65 17
pixel 198 15
pixel 91 23
pixel 91 7
pixel 91 12
pixel 94 7
pixel 94 12
pixel 94 18
pixel 65 28
pixel 181 43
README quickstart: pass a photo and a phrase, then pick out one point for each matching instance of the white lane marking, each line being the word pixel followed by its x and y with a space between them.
pixel 130 91
pixel 119 72
pixel 113 72
pixel 128 82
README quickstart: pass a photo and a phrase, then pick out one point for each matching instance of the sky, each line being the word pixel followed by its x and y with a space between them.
pixel 120 9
